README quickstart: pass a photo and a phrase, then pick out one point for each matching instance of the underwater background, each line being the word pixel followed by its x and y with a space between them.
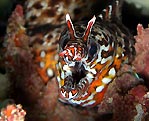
pixel 23 92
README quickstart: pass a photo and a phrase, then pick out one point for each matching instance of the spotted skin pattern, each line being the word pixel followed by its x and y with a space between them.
pixel 83 57
pixel 45 20
pixel 91 56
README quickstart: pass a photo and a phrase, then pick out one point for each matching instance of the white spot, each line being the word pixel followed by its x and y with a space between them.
pixel 106 80
pixel 103 47
pixel 60 7
pixel 90 97
pixel 42 64
pixel 112 72
pixel 101 16
pixel 110 10
pixel 71 96
pixel 140 113
pixel 49 20
pixel 104 10
pixel 106 48
pixel 63 94
pixel 62 75
pixel 49 43
pixel 59 64
pixel 58 79
pixel 72 64
pixel 68 73
pixel 89 103
pixel 66 67
pixel 30 4
pixel 72 101
pixel 100 88
pixel 93 71
pixel 89 69
pixel 67 70
pixel 123 55
pixel 104 60
pixel 50 72
pixel 117 55
pixel 42 54
pixel 75 101
pixel 146 95
pixel 44 4
pixel 89 77
pixel 113 44
pixel 68 17
pixel 84 94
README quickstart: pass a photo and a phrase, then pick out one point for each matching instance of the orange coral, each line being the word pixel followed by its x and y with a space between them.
pixel 12 113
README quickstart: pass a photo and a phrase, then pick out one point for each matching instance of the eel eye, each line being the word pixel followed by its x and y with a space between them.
pixel 92 50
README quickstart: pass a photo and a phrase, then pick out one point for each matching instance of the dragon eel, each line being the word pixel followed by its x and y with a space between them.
pixel 91 55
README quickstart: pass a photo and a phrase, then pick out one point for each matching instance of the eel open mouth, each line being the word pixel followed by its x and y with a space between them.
pixel 72 83
pixel 78 75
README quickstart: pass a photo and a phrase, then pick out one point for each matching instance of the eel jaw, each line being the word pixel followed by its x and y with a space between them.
pixel 74 85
